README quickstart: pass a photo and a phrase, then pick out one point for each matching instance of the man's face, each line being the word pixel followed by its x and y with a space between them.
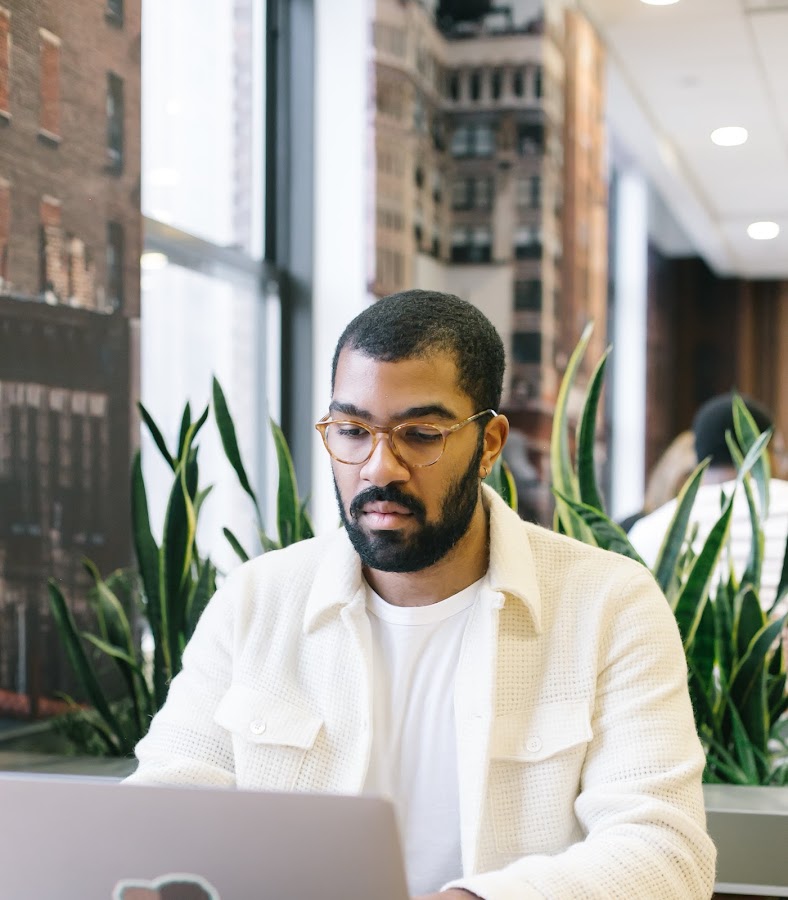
pixel 400 518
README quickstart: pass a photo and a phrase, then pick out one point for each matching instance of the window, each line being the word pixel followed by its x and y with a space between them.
pixel 437 186
pixel 53 272
pixel 530 139
pixel 5 59
pixel 114 12
pixel 114 266
pixel 485 141
pixel 418 177
pixel 435 249
pixel 483 192
pixel 471 245
pixel 454 86
pixel 529 191
pixel 460 142
pixel 481 244
pixel 518 83
pixel 476 85
pixel 538 90
pixel 527 244
pixel 49 111
pixel 527 347
pixel 462 193
pixel 496 83
pixel 114 122
pixel 528 295
pixel 5 228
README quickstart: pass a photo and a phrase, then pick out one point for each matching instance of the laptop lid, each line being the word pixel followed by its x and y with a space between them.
pixel 69 838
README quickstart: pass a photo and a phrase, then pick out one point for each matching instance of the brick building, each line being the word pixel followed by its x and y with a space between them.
pixel 489 141
pixel 70 241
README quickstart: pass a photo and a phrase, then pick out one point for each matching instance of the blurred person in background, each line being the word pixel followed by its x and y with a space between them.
pixel 712 420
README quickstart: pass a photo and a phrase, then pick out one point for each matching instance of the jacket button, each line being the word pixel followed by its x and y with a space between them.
pixel 257 726
pixel 534 744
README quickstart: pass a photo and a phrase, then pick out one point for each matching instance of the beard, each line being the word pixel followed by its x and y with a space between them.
pixel 393 551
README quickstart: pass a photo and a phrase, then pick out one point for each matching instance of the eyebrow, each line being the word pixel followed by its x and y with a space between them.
pixel 436 410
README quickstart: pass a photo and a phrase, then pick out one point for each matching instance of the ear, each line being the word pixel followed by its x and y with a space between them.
pixel 495 434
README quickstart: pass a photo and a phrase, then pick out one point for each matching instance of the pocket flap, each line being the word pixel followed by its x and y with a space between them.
pixel 540 732
pixel 262 718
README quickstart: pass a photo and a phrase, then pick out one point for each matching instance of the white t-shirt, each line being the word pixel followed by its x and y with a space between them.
pixel 413 759
pixel 647 533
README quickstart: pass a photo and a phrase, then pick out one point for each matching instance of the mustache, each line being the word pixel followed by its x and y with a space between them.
pixel 389 493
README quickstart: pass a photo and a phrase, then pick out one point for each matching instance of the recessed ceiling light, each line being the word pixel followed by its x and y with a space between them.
pixel 729 136
pixel 151 260
pixel 763 231
pixel 659 2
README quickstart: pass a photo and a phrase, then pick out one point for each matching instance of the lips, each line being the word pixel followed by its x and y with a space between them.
pixel 386 508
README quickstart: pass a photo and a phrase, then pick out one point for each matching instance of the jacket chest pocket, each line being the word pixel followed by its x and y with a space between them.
pixel 536 760
pixel 270 736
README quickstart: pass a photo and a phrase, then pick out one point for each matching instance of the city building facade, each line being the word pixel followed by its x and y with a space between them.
pixel 489 140
pixel 70 238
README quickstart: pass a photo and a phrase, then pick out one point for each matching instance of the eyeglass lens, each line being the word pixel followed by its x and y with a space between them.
pixel 416 445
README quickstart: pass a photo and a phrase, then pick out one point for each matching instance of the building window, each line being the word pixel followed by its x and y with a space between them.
pixel 530 139
pixel 528 295
pixel 437 186
pixel 527 347
pixel 114 12
pixel 114 122
pixel 49 61
pixel 53 256
pixel 460 142
pixel 435 249
pixel 471 245
pixel 518 83
pixel 5 229
pixel 483 193
pixel 538 89
pixel 484 141
pixel 418 177
pixel 114 266
pixel 5 60
pixel 496 82
pixel 462 193
pixel 529 191
pixel 527 244
pixel 481 244
pixel 454 86
pixel 476 85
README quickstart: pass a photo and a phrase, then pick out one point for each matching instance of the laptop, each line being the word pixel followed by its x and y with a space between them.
pixel 72 838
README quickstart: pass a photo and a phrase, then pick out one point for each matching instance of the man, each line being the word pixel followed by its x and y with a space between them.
pixel 520 696
pixel 710 425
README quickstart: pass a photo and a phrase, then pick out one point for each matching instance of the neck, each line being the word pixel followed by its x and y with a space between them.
pixel 464 564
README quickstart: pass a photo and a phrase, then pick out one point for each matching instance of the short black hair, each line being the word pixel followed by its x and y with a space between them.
pixel 413 324
pixel 714 418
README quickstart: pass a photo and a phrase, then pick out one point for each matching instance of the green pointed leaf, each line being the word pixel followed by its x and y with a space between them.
pixel 752 665
pixel 288 507
pixel 186 421
pixel 151 573
pixel 268 543
pixel 586 430
pixel 229 439
pixel 236 545
pixel 199 597
pixel 201 497
pixel 606 532
pixel 563 478
pixel 782 586
pixel 307 531
pixel 748 619
pixel 675 536
pixel 501 481
pixel 80 662
pixel 177 544
pixel 158 437
pixel 747 433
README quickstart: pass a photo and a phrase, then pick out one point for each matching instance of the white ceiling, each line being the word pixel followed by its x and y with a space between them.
pixel 675 74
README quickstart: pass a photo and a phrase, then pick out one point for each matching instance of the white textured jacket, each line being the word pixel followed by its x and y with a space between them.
pixel 579 765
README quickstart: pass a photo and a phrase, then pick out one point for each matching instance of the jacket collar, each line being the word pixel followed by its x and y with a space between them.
pixel 339 581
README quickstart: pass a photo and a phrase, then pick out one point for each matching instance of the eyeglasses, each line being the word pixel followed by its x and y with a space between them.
pixel 415 444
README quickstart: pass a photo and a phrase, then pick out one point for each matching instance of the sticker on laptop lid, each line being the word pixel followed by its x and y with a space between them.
pixel 176 886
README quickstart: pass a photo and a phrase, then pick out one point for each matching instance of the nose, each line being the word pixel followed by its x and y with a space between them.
pixel 384 466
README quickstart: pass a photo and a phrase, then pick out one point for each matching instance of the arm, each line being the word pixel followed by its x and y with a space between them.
pixel 640 803
pixel 184 745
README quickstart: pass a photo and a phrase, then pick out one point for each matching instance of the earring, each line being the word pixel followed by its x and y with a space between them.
pixel 486 471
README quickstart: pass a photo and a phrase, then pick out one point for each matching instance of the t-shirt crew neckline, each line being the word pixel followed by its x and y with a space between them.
pixel 423 615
